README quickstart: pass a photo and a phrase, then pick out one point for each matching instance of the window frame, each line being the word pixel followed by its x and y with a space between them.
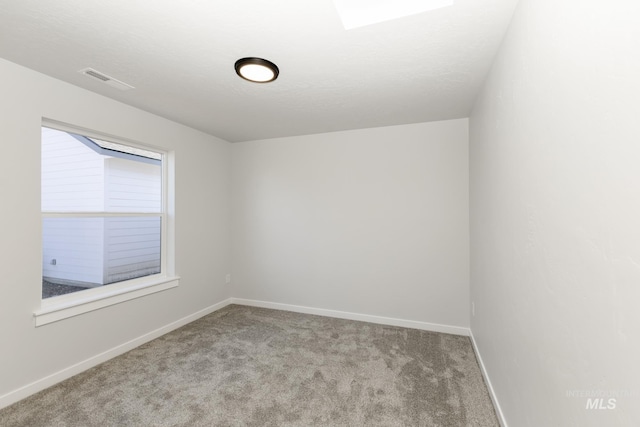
pixel 64 306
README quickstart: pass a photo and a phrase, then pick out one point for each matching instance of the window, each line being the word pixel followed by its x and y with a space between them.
pixel 104 221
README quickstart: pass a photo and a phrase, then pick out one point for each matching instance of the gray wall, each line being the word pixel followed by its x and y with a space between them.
pixel 372 221
pixel 201 227
pixel 555 208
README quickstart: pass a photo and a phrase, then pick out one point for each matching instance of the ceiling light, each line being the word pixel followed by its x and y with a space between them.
pixel 257 70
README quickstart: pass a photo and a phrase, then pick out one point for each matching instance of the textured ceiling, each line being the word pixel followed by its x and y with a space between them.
pixel 179 56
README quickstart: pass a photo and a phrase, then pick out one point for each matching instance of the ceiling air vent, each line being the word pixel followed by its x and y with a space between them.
pixel 97 75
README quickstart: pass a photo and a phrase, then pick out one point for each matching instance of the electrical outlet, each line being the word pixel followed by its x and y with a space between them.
pixel 473 308
pixel 227 279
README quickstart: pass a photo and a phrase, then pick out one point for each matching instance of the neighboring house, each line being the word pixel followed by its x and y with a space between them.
pixel 87 177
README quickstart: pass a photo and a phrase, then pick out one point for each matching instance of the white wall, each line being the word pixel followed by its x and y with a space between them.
pixel 371 221
pixel 201 227
pixel 555 209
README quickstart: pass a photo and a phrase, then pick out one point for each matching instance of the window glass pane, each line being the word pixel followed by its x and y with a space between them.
pixel 132 248
pixel 81 174
pixel 82 253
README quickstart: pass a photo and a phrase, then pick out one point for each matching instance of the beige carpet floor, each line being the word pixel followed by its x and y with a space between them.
pixel 244 366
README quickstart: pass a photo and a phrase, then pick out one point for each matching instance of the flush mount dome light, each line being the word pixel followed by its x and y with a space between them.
pixel 257 70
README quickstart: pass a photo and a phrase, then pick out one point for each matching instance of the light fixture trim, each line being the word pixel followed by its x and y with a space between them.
pixel 252 69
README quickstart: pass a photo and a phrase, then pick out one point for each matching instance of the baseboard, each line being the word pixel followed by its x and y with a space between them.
pixel 41 384
pixel 487 380
pixel 36 386
pixel 435 327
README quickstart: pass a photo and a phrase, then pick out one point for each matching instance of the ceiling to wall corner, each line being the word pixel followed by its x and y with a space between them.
pixel 179 58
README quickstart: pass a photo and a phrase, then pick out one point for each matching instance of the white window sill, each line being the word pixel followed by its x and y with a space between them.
pixel 58 308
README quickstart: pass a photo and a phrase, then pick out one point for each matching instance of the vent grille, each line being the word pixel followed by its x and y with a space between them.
pixel 108 80
pixel 97 75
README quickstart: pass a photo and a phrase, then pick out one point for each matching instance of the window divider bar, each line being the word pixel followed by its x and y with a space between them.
pixel 99 214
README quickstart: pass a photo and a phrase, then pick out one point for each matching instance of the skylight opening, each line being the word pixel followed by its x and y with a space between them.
pixel 360 13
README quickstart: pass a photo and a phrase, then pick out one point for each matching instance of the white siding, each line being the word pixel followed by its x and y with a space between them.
pixel 72 174
pixel 132 247
pixel 97 250
pixel 72 180
pixel 132 186
pixel 77 245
